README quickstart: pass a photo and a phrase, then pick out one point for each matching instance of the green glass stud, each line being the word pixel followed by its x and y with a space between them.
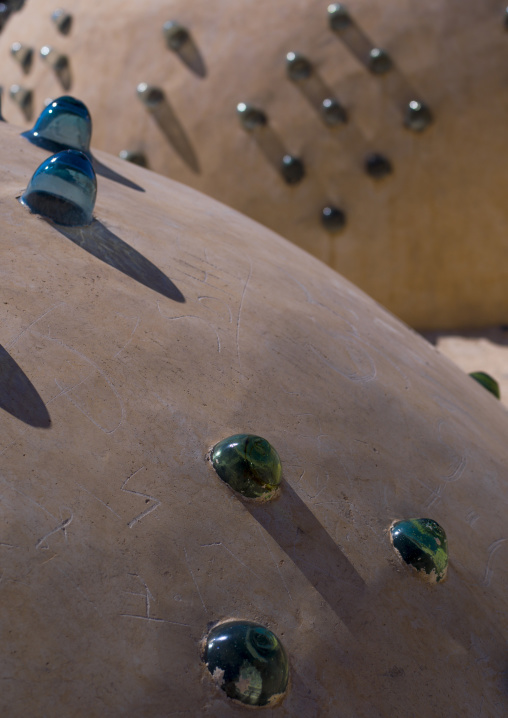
pixel 248 662
pixel 249 464
pixel 422 544
pixel 487 381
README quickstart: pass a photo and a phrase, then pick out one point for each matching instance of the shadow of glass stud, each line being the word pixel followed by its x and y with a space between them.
pixel 333 219
pixel 333 113
pixel 297 66
pixel 422 544
pixel 149 95
pixel 378 166
pixel 63 188
pixel 176 35
pixel 487 382
pixel 23 98
pixel 292 169
pixel 250 117
pixel 379 61
pixel 64 123
pixel 249 464
pixel 339 17
pixel 418 116
pixel 62 20
pixel 248 662
pixel 23 55
pixel 137 158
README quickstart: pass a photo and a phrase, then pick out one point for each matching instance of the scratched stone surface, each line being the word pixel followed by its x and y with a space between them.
pixel 425 241
pixel 133 346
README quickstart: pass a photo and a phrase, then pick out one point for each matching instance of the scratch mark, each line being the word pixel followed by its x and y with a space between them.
pixel 16 339
pixel 194 580
pixel 99 500
pixel 8 545
pixel 492 550
pixel 148 596
pixel 472 517
pixel 147 511
pixel 275 562
pixel 129 339
pixel 193 316
pixel 240 316
pixel 29 498
pixel 219 543
pixel 61 527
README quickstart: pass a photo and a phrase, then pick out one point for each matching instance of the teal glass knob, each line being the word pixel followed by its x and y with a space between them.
pixel 487 381
pixel 248 662
pixel 418 116
pixel 339 17
pixel 251 117
pixel 63 188
pixel 422 544
pixel 249 464
pixel 176 35
pixel 62 20
pixel 23 55
pixel 298 67
pixel 64 123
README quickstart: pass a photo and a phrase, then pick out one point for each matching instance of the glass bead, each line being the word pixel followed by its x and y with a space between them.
pixel 65 123
pixel 339 17
pixel 248 662
pixel 333 113
pixel 292 169
pixel 298 67
pixel 422 544
pixel 378 166
pixel 249 464
pixel 418 116
pixel 333 219
pixel 379 61
pixel 63 188
pixel 176 35
pixel 487 381
pixel 250 116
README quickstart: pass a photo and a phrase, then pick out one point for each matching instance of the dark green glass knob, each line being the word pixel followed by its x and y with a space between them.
pixel 418 116
pixel 379 61
pixel 175 34
pixel 150 95
pixel 248 662
pixel 338 17
pixel 378 166
pixel 63 188
pixel 62 20
pixel 292 169
pixel 422 544
pixel 333 113
pixel 298 67
pixel 487 381
pixel 333 219
pixel 22 54
pixel 249 464
pixel 251 117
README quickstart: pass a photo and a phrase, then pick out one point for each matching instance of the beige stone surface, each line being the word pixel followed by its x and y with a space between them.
pixel 427 242
pixel 119 543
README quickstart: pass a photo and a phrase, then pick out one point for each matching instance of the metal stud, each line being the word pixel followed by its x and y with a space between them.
pixel 251 117
pixel 298 67
pixel 339 17
pixel 379 61
pixel 176 35
pixel 292 169
pixel 150 95
pixel 137 158
pixel 22 54
pixel 333 219
pixel 378 166
pixel 62 20
pixel 418 116
pixel 333 113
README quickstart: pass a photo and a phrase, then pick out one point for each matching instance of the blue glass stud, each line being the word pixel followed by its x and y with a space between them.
pixel 248 662
pixel 22 54
pixel 251 117
pixel 333 219
pixel 292 169
pixel 64 124
pixel 418 116
pixel 63 188
pixel 62 20
pixel 339 17
pixel 297 66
